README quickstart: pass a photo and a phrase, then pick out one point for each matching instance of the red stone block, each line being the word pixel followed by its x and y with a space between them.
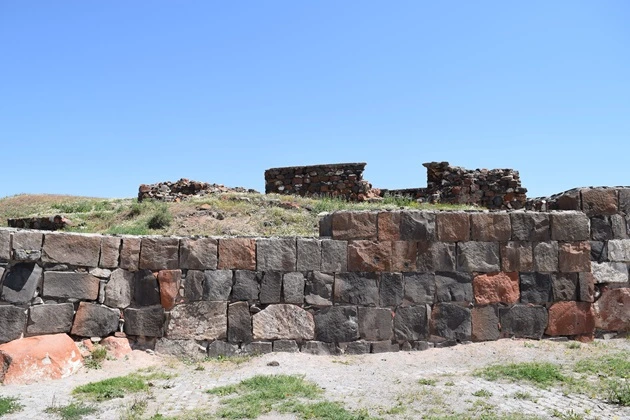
pixel 575 257
pixel 369 256
pixel 571 318
pixel 599 201
pixel 453 227
pixel 389 226
pixel 517 256
pixel 169 281
pixel 354 226
pixel 613 310
pixel 237 254
pixel 403 257
pixel 491 227
pixel 496 288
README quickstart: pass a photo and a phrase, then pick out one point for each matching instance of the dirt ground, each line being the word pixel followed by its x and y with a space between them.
pixel 386 385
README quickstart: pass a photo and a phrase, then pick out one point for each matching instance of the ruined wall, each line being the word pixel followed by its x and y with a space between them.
pixel 182 189
pixel 373 281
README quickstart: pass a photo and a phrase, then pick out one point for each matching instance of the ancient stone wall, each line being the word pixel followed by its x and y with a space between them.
pixel 372 282
pixel 182 189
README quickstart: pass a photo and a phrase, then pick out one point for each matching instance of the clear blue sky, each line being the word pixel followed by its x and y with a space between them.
pixel 99 97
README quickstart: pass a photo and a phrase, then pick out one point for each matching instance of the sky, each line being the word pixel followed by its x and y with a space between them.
pixel 97 98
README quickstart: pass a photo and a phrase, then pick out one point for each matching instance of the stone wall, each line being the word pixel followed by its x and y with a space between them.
pixel 373 281
pixel 335 180
pixel 182 189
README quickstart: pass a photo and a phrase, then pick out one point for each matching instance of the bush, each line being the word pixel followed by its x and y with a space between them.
pixel 161 218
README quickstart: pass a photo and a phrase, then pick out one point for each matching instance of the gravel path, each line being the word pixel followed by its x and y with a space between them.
pixel 385 384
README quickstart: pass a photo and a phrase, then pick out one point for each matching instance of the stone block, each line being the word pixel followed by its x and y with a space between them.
pixel 517 256
pixel 436 256
pixel 94 320
pixel 319 289
pixel 285 346
pixel 453 287
pixel 50 319
pixel 388 226
pixel 491 227
pixel 12 322
pixel 523 321
pixel 570 226
pixel 411 323
pixel 198 321
pixel 356 289
pixel 221 349
pixel 283 322
pixel 419 288
pixel 536 287
pixel 110 252
pixel 319 348
pixel 354 226
pixel 237 254
pixel 271 287
pixel 276 254
pixel 334 256
pixel 198 253
pixel 193 286
pixel 384 347
pixel 182 349
pixel 146 322
pixel 336 324
pixel 619 226
pixel 369 256
pixel 574 257
pixel 565 286
pixel 355 348
pixel 599 251
pixel 478 256
pixel 375 324
pixel 451 321
pixel 569 200
pixel 27 242
pixel 325 225
pixel 130 253
pixel 59 284
pixel 453 227
pixel 403 256
pixel 530 226
pixel 599 201
pixel 21 283
pixel 610 272
pixel 601 228
pixel 5 245
pixel 217 284
pixel 146 291
pixel 619 250
pixel 169 282
pixel 309 254
pixel 159 253
pixel 118 347
pixel 65 248
pixel 421 345
pixel 26 256
pixel 496 288
pixel 611 310
pixel 586 287
pixel 485 323
pixel 391 289
pixel 293 288
pixel 571 318
pixel 239 323
pixel 246 285
pixel 257 347
pixel 624 200
pixel 546 256
pixel 417 226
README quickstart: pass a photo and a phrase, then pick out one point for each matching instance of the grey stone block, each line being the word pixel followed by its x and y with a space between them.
pixel 624 200
pixel 286 346
pixel 355 347
pixel 489 227
pixel 530 226
pixel 26 255
pixel 570 226
pixel 391 289
pixel 536 287
pixel 451 321
pixel 27 242
pixel 21 282
pixel 276 254
pixel 50 319
pixel 221 348
pixel 130 254
pixel 293 288
pixel 271 287
pixel 319 348
pixel 319 289
pixel 417 226
pixel 198 253
pixel 546 256
pixel 309 254
pixel 217 285
pixel 147 322
pixel 619 226
pixel 182 349
pixel 610 272
pixel 257 347
pixel 619 250
pixel 119 289
pixel 411 323
pixel 65 285
pixel 419 288
pixel 336 324
pixel 239 323
pixel 283 322
pixel 517 256
pixel 145 291
pixel 586 287
pixel 485 323
pixel 523 321
pixel 454 287
pixel 384 347
pixel 356 288
pixel 375 324
pixel 601 228
pixel 421 345
pixel 159 254
pixel 5 245
pixel 193 286
pixel 110 252
pixel 246 285
pixel 325 225
pixel 64 248
pixel 94 320
pixel 478 257
pixel 199 321
pixel 436 256
pixel 12 322
pixel 565 286
pixel 334 256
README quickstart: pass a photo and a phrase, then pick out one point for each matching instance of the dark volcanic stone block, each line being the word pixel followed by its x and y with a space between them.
pixel 217 284
pixel 246 285
pixel 64 248
pixel 159 254
pixel 565 286
pixel 286 346
pixel 309 254
pixel 220 348
pixel 411 323
pixel 478 256
pixel 454 287
pixel 536 287
pixel 530 226
pixel 336 324
pixel 276 254
pixel 148 322
pixel 451 321
pixel 193 286
pixel 436 256
pixel 21 282
pixel 271 287
pixel 59 284
pixel 146 291
pixel 293 288
pixel 319 348
pixel 417 226
pixel 523 321
pixel 403 256
pixel 198 253
pixel 110 252
pixel 546 256
pixel 453 227
pixel 419 288
pixel 12 322
pixel 489 227
pixel 375 324
pixel 391 290
pixel 334 256
pixel 356 288
pixel 601 228
pixel 485 323
pixel 50 319
pixel 570 226
pixel 319 289
pixel 93 320
pixel 130 253
pixel 239 323
pixel 599 251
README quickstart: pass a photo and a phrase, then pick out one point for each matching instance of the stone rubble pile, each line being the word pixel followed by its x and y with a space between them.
pixel 182 189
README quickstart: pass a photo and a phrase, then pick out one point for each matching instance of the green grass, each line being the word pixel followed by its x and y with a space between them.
pixel 541 374
pixel 428 382
pixel 612 365
pixel 618 392
pixel 96 358
pixel 9 405
pixel 482 393
pixel 72 411
pixel 111 388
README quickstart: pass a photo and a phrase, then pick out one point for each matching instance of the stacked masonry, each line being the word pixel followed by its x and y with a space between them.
pixel 381 282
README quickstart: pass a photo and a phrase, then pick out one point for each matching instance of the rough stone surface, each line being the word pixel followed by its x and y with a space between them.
pixel 199 321
pixel 276 254
pixel 530 226
pixel 169 282
pixel 38 358
pixel 610 272
pixel 453 287
pixel 375 324
pixel 496 288
pixel 490 227
pixel 411 323
pixel 436 256
pixel 571 318
pixel 336 324
pixel 159 254
pixel 319 348
pixel 334 256
pixel 246 286
pixel 145 289
pixel 239 323
pixel 570 226
pixel 453 227
pixel 27 241
pixel 451 321
pixel 93 320
pixel 601 228
pixel 293 288
pixel 619 226
pixel 565 286
pixel 198 253
pixel 237 254
pixel 485 323
pixel 596 201
pixel 419 288
pixel 271 287
pixel 355 348
pixel 217 284
pixel 110 252
pixel 391 290
pixel 181 348
pixel 403 256
pixel 117 347
pixel 21 283
pixel 356 289
pixel 119 289
pixel 193 286
pixel 574 257
pixel 58 284
pixel 478 256
pixel 12 322
pixel 369 256
pixel 619 250
pixel 546 256
pixel 417 226
pixel 50 319
pixel 536 287
pixel 309 254
pixel 286 346
pixel 81 250
pixel 389 226
pixel 130 254
pixel 517 256
pixel 221 348
pixel 319 289
pixel 599 251
pixel 523 321
pixel 612 310
pixel 354 225
pixel 624 200
pixel 384 347
pixel 283 322
pixel 5 245
pixel 586 287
